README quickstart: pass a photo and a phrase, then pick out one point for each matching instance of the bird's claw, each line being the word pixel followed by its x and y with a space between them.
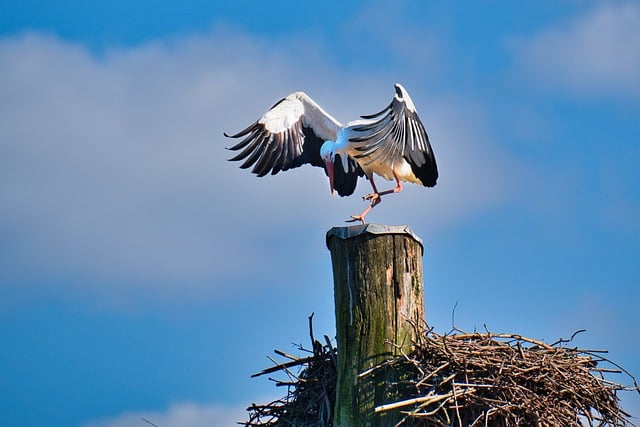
pixel 371 196
pixel 355 218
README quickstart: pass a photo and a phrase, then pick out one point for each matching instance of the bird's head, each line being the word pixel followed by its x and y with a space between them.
pixel 328 153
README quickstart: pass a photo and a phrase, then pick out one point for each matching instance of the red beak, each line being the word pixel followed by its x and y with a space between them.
pixel 329 165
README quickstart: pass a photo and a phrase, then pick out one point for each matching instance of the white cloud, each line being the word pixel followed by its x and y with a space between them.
pixel 178 415
pixel 594 53
pixel 113 172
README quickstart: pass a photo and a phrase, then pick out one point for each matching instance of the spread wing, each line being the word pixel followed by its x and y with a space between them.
pixel 393 134
pixel 289 135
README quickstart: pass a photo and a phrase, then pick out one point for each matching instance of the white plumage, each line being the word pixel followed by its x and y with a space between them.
pixel 392 143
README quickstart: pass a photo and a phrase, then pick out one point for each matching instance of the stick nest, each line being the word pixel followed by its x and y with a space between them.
pixel 461 379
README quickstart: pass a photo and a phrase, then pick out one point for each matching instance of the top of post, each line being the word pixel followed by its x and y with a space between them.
pixel 348 232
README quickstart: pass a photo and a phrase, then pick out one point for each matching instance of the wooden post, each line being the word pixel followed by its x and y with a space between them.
pixel 378 286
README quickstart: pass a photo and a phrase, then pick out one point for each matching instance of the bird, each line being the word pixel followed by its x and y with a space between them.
pixel 391 143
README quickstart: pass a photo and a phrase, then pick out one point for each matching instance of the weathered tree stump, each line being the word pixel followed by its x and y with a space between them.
pixel 378 288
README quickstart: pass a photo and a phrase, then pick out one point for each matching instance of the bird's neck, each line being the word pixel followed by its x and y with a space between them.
pixel 342 142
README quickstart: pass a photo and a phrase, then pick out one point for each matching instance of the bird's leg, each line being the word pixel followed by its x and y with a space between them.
pixel 397 189
pixel 377 194
pixel 360 217
pixel 374 202
pixel 373 197
pixel 376 197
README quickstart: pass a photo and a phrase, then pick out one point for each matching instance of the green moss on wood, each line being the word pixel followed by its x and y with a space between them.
pixel 377 286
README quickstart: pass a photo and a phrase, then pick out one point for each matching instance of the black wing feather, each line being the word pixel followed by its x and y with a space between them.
pixel 344 182
pixel 394 132
pixel 271 153
pixel 422 161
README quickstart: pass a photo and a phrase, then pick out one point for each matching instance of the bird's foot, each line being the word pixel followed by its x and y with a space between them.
pixel 373 197
pixel 356 218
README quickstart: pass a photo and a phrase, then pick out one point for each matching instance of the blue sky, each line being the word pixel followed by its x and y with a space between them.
pixel 143 275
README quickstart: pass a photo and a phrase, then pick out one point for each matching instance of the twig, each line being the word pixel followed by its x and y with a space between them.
pixel 149 422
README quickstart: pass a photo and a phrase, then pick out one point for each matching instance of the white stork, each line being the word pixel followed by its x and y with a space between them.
pixel 296 130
